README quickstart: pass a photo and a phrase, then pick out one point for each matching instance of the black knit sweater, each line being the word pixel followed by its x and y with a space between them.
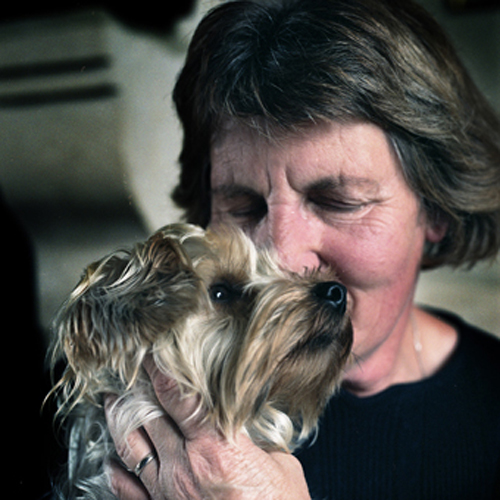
pixel 434 439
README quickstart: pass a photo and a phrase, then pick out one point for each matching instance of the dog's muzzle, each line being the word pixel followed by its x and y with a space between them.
pixel 332 292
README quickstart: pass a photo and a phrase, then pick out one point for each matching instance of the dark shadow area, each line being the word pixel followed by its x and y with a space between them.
pixel 151 16
pixel 32 448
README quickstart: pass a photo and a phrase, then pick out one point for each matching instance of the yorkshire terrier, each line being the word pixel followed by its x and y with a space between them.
pixel 262 348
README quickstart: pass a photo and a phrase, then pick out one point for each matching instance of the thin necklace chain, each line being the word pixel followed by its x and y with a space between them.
pixel 417 344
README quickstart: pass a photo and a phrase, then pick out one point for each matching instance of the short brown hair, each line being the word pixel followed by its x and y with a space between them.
pixel 290 63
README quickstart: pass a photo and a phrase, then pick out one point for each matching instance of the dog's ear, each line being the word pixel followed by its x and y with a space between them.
pixel 122 305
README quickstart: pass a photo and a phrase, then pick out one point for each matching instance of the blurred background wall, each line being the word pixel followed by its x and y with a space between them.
pixel 474 27
pixel 89 143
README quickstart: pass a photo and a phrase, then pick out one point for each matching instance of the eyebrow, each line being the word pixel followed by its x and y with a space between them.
pixel 334 183
pixel 232 191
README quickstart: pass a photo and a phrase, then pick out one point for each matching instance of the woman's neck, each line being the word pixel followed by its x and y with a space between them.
pixel 418 347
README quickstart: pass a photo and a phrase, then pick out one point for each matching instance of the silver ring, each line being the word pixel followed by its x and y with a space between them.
pixel 137 470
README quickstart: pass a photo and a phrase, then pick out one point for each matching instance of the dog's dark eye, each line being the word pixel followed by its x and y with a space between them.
pixel 223 293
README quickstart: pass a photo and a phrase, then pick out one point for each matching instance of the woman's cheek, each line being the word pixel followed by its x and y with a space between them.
pixel 376 254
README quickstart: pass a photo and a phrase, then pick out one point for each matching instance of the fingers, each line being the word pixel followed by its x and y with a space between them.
pixel 160 436
pixel 185 411
pixel 167 437
pixel 132 451
pixel 194 461
pixel 137 445
pixel 124 485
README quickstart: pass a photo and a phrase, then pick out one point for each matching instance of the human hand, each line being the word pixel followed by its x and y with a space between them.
pixel 194 461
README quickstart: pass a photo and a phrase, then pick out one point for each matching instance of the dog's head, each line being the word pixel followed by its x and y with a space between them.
pixel 263 348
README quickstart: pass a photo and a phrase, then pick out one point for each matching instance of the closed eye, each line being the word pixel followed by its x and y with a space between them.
pixel 239 203
pixel 250 210
pixel 335 205
pixel 343 195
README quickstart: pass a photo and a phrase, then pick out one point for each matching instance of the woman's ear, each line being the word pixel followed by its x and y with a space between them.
pixel 436 228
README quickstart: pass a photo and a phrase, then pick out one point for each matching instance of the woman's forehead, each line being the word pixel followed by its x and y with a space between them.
pixel 355 152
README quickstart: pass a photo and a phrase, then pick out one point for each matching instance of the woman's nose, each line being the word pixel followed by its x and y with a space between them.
pixel 294 235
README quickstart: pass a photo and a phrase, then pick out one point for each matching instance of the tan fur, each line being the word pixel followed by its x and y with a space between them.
pixel 264 361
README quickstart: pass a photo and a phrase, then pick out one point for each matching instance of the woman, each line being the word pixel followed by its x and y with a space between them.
pixel 344 133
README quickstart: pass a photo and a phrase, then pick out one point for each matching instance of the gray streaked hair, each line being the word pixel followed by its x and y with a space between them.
pixel 283 65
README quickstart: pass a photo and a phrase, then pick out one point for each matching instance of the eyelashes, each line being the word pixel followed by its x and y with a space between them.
pixel 328 200
pixel 252 212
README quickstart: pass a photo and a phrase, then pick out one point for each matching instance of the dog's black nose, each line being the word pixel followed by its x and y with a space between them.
pixel 332 292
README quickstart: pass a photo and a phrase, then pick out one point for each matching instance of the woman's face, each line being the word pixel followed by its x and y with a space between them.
pixel 333 194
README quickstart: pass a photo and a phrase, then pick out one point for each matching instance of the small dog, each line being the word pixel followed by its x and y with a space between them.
pixel 262 348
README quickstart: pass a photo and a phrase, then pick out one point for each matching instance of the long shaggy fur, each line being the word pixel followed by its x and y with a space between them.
pixel 262 348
